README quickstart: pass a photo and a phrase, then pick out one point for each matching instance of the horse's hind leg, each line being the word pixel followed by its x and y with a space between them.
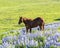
pixel 40 26
pixel 43 27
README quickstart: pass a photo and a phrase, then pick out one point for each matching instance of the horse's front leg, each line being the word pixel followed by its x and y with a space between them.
pixel 30 30
pixel 26 29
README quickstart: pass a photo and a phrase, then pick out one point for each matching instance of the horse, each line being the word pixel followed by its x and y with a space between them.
pixel 29 23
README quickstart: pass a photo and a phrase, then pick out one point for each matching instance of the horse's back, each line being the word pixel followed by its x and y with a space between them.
pixel 38 19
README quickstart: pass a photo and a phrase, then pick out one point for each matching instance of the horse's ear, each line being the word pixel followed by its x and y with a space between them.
pixel 21 18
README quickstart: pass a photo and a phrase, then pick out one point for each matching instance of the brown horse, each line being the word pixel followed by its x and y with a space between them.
pixel 29 23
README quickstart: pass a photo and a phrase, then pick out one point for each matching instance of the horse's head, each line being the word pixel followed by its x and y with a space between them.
pixel 20 20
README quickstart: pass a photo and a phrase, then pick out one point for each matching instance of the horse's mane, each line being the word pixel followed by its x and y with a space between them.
pixel 29 19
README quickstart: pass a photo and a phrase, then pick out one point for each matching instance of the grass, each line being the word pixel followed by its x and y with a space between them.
pixel 10 10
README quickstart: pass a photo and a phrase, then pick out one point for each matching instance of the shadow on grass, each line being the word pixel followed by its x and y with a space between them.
pixel 58 19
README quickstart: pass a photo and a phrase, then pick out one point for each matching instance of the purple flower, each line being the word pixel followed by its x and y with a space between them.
pixel 57 43
pixel 31 43
pixel 6 44
pixel 1 46
pixel 47 45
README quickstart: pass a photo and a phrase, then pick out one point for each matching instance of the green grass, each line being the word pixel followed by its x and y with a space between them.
pixel 10 10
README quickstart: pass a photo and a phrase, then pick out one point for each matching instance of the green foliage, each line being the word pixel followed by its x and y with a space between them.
pixel 32 47
pixel 41 42
pixel 39 38
pixel 20 46
pixel 53 46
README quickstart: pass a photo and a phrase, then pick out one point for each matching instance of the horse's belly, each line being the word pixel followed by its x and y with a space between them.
pixel 34 26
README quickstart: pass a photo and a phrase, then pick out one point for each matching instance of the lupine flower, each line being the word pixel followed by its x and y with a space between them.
pixel 57 43
pixel 31 43
pixel 47 45
pixel 1 46
pixel 6 44
pixel 50 36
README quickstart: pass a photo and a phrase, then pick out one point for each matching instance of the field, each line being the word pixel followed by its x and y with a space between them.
pixel 11 10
